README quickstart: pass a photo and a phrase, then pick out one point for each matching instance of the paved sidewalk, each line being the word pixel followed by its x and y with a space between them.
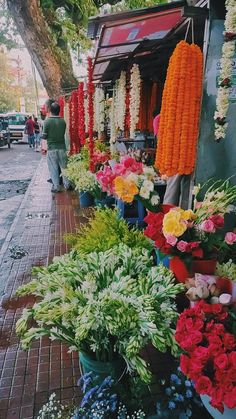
pixel 27 378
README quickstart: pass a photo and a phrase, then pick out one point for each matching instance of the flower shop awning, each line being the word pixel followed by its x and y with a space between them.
pixel 134 33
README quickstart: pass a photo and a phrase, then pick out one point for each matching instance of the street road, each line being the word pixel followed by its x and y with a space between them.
pixel 17 166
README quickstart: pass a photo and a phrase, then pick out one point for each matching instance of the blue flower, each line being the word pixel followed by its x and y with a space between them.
pixel 188 383
pixel 179 398
pixel 189 394
pixel 189 413
pixel 158 406
pixel 171 405
pixel 168 391
pixel 175 379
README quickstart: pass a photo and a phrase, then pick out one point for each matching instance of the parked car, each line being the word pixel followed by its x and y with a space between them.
pixel 4 133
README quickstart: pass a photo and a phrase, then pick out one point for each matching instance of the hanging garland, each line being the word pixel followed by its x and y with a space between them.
pixel 120 101
pixel 61 102
pixel 112 123
pixel 81 116
pixel 86 116
pixel 71 127
pixel 135 89
pixel 179 119
pixel 99 110
pixel 225 79
pixel 90 90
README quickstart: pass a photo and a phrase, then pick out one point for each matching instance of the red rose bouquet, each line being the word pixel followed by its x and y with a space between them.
pixel 197 233
pixel 206 334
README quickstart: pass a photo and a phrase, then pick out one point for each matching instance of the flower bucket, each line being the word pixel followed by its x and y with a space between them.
pixel 206 267
pixel 228 413
pixel 162 258
pixel 116 369
pixel 133 213
pixel 178 267
pixel 85 200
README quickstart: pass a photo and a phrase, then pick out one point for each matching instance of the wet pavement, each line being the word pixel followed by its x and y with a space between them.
pixel 36 235
pixel 17 166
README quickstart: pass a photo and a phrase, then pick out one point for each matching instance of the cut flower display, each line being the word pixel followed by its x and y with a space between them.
pixel 129 180
pixel 107 304
pixel 205 334
pixel 197 233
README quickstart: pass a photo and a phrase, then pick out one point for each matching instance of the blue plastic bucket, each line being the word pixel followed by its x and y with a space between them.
pixel 85 200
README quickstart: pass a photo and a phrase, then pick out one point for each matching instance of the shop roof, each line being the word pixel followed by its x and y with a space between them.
pixel 132 35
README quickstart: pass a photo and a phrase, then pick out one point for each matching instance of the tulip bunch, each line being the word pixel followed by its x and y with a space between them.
pixel 179 119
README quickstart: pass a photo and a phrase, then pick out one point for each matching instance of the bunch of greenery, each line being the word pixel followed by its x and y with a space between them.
pixel 106 304
pixel 106 230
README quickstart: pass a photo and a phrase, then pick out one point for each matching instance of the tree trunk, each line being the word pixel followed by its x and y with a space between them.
pixel 53 64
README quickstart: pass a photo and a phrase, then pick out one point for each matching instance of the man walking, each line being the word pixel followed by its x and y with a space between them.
pixel 29 126
pixel 54 132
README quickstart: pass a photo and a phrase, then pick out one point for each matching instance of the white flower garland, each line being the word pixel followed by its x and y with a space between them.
pixel 135 89
pixel 228 49
pixel 99 110
pixel 112 123
pixel 120 101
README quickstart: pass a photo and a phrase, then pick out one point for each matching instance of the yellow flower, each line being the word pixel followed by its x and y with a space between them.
pixel 189 215
pixel 174 223
pixel 125 189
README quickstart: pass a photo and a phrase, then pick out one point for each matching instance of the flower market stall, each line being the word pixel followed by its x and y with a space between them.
pixel 169 289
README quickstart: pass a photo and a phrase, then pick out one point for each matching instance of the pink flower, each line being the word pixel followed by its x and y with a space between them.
pixel 182 246
pixel 208 226
pixel 172 240
pixel 230 238
pixel 198 205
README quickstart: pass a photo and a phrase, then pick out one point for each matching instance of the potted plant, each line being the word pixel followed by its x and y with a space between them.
pixel 194 239
pixel 106 305
pixel 206 335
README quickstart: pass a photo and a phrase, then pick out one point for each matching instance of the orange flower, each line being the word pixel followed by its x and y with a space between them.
pixel 180 111
pixel 125 189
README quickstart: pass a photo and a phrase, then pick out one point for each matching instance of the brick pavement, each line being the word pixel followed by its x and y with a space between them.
pixel 27 378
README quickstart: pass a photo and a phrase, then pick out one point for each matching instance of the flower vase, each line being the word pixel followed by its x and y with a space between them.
pixel 178 267
pixel 228 413
pixel 85 200
pixel 116 368
pixel 206 267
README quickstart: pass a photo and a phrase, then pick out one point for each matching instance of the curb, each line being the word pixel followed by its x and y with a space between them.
pixel 18 213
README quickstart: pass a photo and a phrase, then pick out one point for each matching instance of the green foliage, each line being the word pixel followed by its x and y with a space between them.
pixel 8 97
pixel 106 230
pixel 106 303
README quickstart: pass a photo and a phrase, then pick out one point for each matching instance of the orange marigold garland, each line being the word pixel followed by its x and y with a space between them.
pixel 179 121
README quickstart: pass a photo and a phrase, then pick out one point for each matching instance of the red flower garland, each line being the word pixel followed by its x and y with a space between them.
pixel 61 102
pixel 73 111
pixel 81 113
pixel 90 89
pixel 71 127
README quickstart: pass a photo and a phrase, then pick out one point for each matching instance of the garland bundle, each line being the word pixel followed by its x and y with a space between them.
pixel 61 102
pixel 135 91
pixel 71 127
pixel 81 113
pixel 179 120
pixel 90 90
pixel 99 111
pixel 228 51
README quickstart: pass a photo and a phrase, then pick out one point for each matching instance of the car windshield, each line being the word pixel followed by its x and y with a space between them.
pixel 16 120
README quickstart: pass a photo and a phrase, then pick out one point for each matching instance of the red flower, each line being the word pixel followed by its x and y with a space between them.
pixel 230 343
pixel 232 359
pixel 203 385
pixel 197 253
pixel 221 361
pixel 185 364
pixel 201 354
pixel 217 220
